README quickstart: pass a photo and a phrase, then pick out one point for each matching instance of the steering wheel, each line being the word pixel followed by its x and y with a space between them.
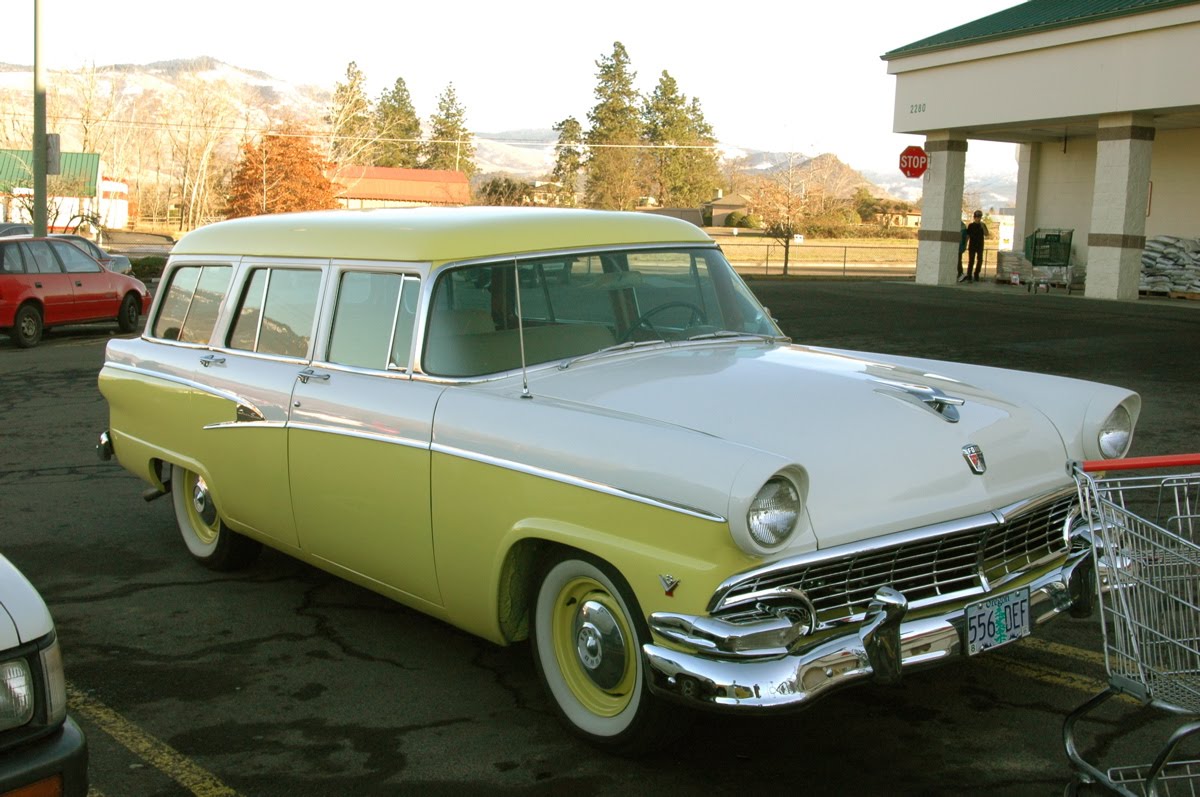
pixel 698 316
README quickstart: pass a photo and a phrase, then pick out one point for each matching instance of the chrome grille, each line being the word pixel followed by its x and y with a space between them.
pixel 925 565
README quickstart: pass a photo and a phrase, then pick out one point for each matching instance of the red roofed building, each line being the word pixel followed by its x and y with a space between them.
pixel 387 187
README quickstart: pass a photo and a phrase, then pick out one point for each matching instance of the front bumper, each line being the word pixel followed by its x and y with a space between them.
pixel 61 757
pixel 880 647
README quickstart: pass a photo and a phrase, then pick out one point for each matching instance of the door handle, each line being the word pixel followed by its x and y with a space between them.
pixel 37 284
pixel 78 284
pixel 211 359
pixel 309 373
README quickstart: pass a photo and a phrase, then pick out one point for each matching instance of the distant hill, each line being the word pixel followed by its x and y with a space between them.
pixel 522 153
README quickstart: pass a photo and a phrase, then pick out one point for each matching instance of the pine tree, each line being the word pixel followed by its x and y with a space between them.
pixel 568 159
pixel 398 129
pixel 282 174
pixel 350 124
pixel 680 162
pixel 449 145
pixel 612 166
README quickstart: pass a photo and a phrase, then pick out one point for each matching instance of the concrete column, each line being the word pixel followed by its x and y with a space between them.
pixel 941 209
pixel 1027 175
pixel 1124 144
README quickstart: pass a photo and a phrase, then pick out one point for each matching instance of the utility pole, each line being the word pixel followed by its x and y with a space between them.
pixel 39 126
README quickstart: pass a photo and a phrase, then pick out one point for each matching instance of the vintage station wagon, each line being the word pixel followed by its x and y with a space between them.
pixel 580 428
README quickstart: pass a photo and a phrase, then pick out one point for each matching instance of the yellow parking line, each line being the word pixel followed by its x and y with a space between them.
pixel 161 756
pixel 1054 676
pixel 1047 675
pixel 1069 651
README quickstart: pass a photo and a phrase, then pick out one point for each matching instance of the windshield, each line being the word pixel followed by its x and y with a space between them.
pixel 572 305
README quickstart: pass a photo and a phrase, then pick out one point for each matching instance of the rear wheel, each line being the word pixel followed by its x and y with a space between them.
pixel 127 320
pixel 27 326
pixel 207 538
pixel 587 636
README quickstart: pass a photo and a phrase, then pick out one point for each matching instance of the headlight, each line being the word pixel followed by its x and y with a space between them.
pixel 17 695
pixel 774 512
pixel 1115 433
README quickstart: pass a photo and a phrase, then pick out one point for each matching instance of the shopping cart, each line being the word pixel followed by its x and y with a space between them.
pixel 1144 517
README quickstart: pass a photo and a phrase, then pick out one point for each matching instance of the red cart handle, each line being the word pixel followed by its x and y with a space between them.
pixel 1139 463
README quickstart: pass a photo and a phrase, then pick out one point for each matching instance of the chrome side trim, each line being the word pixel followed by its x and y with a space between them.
pixel 246 425
pixel 575 481
pixel 408 442
pixel 188 383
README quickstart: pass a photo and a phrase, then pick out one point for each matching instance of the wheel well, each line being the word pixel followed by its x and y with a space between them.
pixel 518 585
pixel 35 303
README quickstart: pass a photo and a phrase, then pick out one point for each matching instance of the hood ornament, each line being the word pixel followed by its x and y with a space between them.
pixel 931 398
pixel 973 454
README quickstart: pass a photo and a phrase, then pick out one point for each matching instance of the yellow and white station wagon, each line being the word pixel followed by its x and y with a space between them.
pixel 580 428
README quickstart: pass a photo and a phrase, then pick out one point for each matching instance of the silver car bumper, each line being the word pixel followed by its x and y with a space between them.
pixel 710 672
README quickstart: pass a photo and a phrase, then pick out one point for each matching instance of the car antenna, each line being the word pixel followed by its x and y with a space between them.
pixel 521 331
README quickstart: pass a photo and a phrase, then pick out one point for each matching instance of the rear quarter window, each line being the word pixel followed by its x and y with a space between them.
pixel 191 303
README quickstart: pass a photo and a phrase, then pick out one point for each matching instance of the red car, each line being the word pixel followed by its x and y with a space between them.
pixel 46 282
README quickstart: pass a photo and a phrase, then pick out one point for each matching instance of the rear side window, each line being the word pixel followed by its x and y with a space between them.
pixel 277 312
pixel 190 305
pixel 373 324
pixel 39 259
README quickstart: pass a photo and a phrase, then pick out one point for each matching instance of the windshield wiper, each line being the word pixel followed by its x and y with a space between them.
pixel 729 333
pixel 626 346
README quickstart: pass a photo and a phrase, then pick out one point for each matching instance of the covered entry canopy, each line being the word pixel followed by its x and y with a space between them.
pixel 1102 98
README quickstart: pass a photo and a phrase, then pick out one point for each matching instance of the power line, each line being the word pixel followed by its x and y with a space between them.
pixel 245 130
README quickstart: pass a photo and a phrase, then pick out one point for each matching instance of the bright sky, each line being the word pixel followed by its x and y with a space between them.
pixel 785 75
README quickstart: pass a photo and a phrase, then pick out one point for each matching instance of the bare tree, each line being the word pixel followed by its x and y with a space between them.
pixel 781 200
pixel 210 117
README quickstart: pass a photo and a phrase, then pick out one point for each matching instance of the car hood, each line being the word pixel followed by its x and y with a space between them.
pixel 23 614
pixel 880 454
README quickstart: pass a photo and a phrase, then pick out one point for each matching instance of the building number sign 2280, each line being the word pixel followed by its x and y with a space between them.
pixel 917 107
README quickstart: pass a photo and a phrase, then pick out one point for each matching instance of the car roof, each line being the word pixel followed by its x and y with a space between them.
pixel 434 235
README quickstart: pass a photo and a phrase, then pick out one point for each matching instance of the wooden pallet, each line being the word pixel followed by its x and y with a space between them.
pixel 1195 297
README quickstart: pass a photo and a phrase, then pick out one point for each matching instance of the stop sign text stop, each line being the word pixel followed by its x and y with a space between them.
pixel 913 161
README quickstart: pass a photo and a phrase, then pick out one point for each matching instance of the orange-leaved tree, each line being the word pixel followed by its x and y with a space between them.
pixel 281 174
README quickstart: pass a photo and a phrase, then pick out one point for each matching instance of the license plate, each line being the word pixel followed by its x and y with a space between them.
pixel 997 620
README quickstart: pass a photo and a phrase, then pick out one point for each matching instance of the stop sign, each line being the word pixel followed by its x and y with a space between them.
pixel 913 161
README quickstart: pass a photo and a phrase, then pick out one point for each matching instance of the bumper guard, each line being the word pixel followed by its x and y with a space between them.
pixel 766 667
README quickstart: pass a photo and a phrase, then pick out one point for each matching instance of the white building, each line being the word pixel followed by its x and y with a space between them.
pixel 1102 98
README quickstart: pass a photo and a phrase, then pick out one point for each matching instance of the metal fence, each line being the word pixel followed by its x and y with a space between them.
pixel 824 259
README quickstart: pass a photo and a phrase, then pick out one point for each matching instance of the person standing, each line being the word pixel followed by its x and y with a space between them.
pixel 962 247
pixel 977 232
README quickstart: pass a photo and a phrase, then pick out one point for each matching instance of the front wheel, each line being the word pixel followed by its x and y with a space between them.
pixel 207 538
pixel 587 636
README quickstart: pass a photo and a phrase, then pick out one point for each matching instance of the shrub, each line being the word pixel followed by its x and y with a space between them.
pixel 735 219
pixel 148 267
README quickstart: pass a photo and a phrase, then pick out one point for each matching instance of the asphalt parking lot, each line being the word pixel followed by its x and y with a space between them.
pixel 282 680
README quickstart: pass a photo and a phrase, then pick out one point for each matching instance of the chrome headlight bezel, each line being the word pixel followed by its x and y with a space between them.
pixel 774 514
pixel 745 501
pixel 1115 434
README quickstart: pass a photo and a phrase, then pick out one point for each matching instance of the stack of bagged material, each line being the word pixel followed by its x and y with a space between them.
pixel 1170 264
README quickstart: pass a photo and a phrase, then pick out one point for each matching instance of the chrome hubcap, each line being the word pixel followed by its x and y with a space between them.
pixel 202 503
pixel 599 644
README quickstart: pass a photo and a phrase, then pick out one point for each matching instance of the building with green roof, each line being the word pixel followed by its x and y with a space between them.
pixel 1100 100
pixel 78 190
